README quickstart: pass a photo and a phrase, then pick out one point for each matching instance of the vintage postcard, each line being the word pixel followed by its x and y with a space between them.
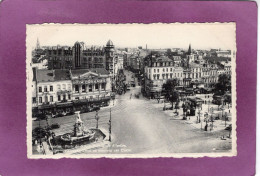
pixel 131 90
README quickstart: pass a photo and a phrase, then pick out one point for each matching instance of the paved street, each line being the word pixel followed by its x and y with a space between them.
pixel 145 128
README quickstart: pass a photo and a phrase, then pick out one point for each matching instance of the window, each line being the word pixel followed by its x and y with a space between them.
pixel 58 87
pixel 103 86
pixel 40 99
pixel 63 86
pixel 96 86
pixel 83 88
pixel 51 88
pixel 154 70
pixel 158 70
pixel 166 76
pixel 178 75
pixel 46 99
pixel 40 89
pixel 163 70
pixel 69 96
pixel 158 76
pixel 154 76
pixel 77 88
pixel 90 88
pixel 51 98
pixel 171 69
pixel 58 97
pixel 69 87
pixel 33 100
pixel 171 75
pixel 45 88
pixel 166 69
pixel 64 97
pixel 163 75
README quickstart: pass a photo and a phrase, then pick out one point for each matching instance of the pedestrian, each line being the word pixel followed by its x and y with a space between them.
pixel 206 127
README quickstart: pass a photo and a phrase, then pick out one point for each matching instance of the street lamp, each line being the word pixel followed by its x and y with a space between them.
pixel 110 126
pixel 199 113
pixel 97 118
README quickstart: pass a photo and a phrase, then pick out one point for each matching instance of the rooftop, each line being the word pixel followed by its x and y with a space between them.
pixel 161 59
pixel 61 75
pixel 43 75
pixel 100 71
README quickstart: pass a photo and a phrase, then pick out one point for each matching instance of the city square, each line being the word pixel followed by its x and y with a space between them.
pixel 101 100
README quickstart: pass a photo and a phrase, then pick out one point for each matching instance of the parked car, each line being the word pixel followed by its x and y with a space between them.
pixel 70 113
pixel 59 115
pixel 96 108
pixel 41 116
pixel 55 126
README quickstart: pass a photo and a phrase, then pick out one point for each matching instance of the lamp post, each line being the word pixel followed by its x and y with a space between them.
pixel 97 118
pixel 208 103
pixel 199 113
pixel 110 126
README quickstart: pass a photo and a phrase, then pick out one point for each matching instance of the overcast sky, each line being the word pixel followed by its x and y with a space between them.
pixel 176 35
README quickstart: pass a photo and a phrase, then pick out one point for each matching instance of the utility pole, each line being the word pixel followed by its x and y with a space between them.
pixel 110 127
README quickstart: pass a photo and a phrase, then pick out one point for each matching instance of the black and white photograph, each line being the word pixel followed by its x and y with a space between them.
pixel 131 90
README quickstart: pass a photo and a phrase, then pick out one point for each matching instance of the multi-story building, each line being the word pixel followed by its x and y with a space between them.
pixel 177 60
pixel 90 84
pixel 210 74
pixel 158 70
pixel 64 90
pixel 59 57
pixel 52 87
pixel 81 57
pixel 226 66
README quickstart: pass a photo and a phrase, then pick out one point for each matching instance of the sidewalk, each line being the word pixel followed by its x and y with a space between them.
pixel 218 125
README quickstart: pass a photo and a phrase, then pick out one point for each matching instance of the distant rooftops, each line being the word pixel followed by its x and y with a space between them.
pixel 161 59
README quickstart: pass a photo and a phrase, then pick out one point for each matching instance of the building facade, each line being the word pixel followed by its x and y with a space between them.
pixel 158 70
pixel 81 57
pixel 67 90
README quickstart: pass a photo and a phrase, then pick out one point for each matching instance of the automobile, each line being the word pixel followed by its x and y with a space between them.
pixel 55 126
pixel 96 108
pixel 70 113
pixel 41 116
pixel 59 114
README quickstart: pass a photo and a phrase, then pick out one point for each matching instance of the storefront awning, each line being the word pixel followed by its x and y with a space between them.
pixel 46 106
pixel 66 104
